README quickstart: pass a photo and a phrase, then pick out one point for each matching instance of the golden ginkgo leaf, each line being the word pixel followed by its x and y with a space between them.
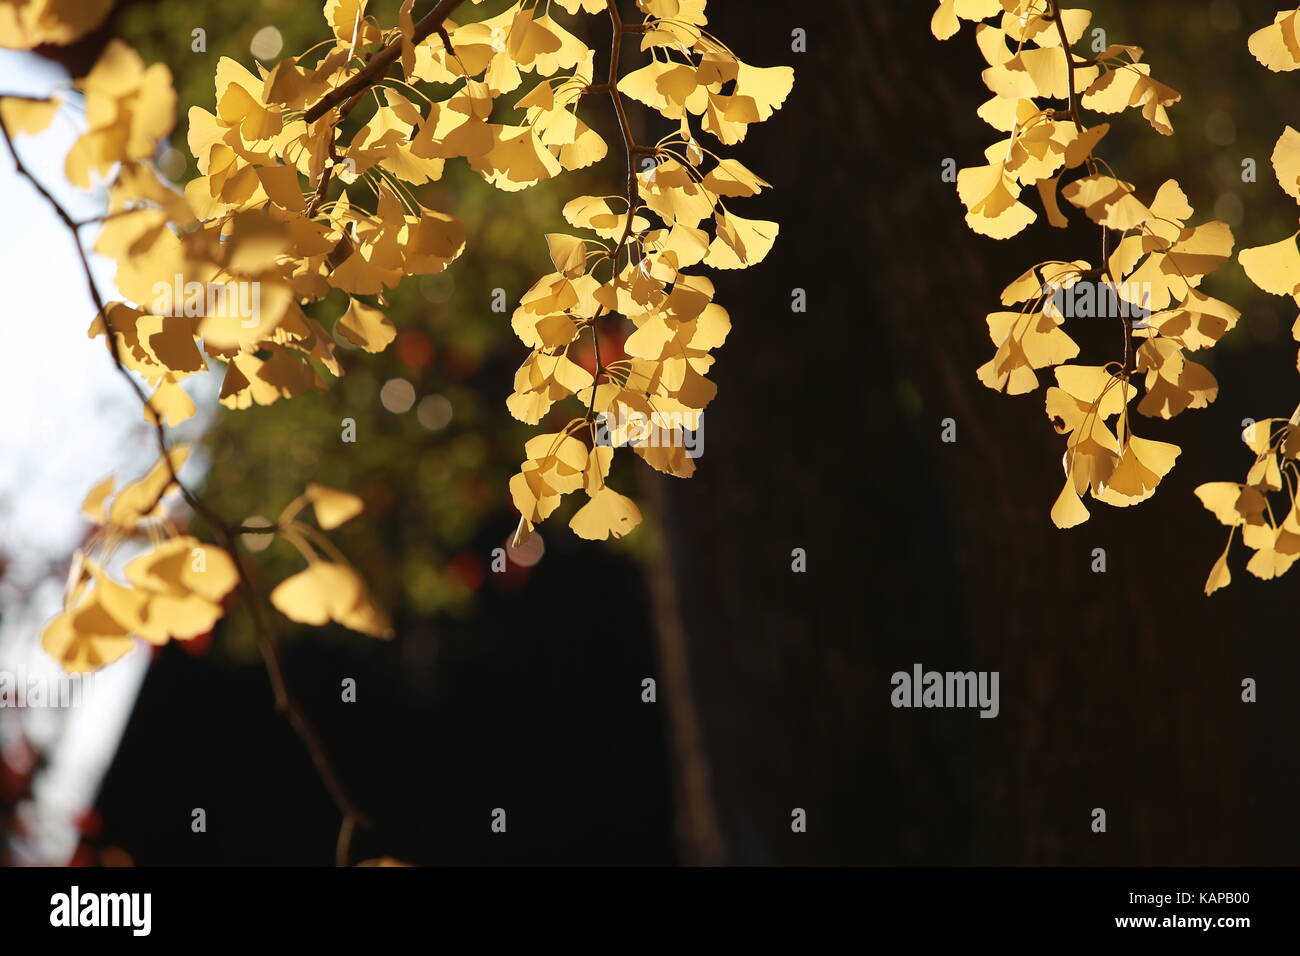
pixel 143 499
pixel 606 513
pixel 991 196
pixel 1220 575
pixel 25 116
pixel 94 507
pixel 366 326
pixel 1107 201
pixel 740 242
pixel 1142 464
pixel 332 507
pixel 1132 85
pixel 947 19
pixel 185 565
pixel 1275 267
pixel 1286 162
pixel 326 591
pixel 29 23
pixel 1277 46
pixel 85 637
pixel 568 254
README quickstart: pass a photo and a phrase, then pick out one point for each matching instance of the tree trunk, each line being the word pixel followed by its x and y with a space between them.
pixel 1120 690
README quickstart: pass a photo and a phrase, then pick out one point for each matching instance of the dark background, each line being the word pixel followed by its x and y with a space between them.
pixel 1119 690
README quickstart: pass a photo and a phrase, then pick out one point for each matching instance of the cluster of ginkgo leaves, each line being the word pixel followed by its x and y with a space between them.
pixel 1152 260
pixel 1274 476
pixel 637 269
pixel 294 202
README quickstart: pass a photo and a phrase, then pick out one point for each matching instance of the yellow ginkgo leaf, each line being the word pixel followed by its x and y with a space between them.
pixel 1132 85
pixel 1069 509
pixel 143 498
pixel 944 23
pixel 325 591
pixel 1286 162
pixel 568 254
pixel 740 242
pixel 606 513
pixel 366 326
pixel 28 23
pixel 1220 576
pixel 991 198
pixel 1141 466
pixel 1107 201
pixel 731 178
pixel 94 506
pixel 1275 267
pixel 1277 45
pixel 85 637
pixel 332 507
pixel 185 565
pixel 27 116
pixel 1220 499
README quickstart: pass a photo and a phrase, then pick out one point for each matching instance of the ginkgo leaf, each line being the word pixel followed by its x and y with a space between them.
pixel 1036 72
pixel 143 498
pixel 1220 575
pixel 332 507
pixel 990 196
pixel 1276 548
pixel 740 242
pixel 944 23
pixel 1107 201
pixel 1286 162
pixel 730 178
pixel 1275 267
pixel 1277 46
pixel 1047 193
pixel 325 592
pixel 94 506
pixel 170 404
pixel 595 213
pixel 1142 464
pixel 1132 85
pixel 25 116
pixel 1198 322
pixel 366 326
pixel 606 513
pixel 25 24
pixel 130 107
pixel 1069 509
pixel 85 638
pixel 568 254
pixel 185 565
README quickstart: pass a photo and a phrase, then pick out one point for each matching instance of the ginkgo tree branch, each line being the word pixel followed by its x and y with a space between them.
pixel 229 533
pixel 1126 326
pixel 347 94
pixel 1054 12
pixel 630 150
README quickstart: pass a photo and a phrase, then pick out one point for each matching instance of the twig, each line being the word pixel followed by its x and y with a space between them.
pixel 1055 13
pixel 630 150
pixel 377 64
